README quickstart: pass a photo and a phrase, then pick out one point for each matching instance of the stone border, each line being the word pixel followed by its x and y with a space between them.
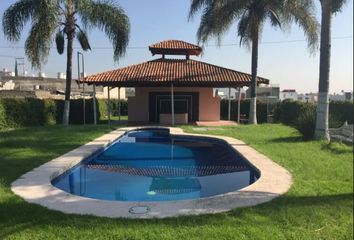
pixel 36 187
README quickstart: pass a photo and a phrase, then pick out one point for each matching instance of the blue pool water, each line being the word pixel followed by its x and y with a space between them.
pixel 151 165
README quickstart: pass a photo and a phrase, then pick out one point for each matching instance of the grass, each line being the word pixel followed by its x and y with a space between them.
pixel 113 118
pixel 319 204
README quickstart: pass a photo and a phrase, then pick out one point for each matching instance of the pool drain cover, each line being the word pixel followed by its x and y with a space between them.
pixel 139 209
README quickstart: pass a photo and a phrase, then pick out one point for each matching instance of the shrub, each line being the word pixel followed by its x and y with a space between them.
pixel 3 123
pixel 76 111
pixel 115 108
pixel 245 109
pixel 305 122
pixel 344 109
pixel 27 112
pixel 288 110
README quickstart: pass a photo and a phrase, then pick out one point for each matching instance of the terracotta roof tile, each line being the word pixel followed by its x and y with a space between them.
pixel 179 71
pixel 175 44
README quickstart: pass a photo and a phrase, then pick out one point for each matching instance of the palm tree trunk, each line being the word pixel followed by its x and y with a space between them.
pixel 253 107
pixel 69 64
pixel 321 131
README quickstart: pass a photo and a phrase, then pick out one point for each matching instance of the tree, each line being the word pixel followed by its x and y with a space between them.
pixel 219 15
pixel 16 70
pixel 328 8
pixel 57 19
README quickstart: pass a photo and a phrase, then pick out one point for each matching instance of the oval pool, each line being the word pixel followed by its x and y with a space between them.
pixel 152 165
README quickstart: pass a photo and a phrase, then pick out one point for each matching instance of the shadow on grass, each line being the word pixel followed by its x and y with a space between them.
pixel 287 139
pixel 336 148
pixel 18 216
pixel 22 150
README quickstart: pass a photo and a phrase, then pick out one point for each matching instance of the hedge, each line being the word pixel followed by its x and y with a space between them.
pixel 343 109
pixel 15 113
pixel 245 109
pixel 286 111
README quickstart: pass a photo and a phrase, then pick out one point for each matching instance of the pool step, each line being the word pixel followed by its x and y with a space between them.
pixel 169 171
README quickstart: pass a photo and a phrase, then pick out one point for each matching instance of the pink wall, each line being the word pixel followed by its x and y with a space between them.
pixel 138 106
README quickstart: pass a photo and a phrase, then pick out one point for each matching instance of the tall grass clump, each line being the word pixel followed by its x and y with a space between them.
pixel 305 122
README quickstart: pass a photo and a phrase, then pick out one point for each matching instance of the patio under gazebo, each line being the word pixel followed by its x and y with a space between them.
pixel 173 91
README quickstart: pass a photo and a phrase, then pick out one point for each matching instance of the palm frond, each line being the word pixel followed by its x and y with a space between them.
pixel 39 41
pixel 83 40
pixel 337 5
pixel 81 4
pixel 15 18
pixel 274 19
pixel 303 13
pixel 244 30
pixel 196 6
pixel 107 16
pixel 60 43
pixel 217 18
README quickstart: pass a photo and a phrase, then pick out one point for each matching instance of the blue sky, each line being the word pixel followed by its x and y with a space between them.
pixel 288 64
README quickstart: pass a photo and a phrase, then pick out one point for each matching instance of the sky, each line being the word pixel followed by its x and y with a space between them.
pixel 283 58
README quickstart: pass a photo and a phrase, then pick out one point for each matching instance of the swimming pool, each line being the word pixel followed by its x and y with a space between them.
pixel 151 165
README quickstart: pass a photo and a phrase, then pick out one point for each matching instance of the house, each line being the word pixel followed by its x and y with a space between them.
pixel 264 92
pixel 5 73
pixel 307 97
pixel 173 90
pixel 342 96
pixel 289 93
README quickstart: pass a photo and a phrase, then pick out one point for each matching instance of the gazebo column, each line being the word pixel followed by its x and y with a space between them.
pixel 94 105
pixel 239 105
pixel 119 102
pixel 109 106
pixel 229 115
pixel 172 105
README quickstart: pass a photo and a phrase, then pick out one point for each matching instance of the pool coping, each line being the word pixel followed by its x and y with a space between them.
pixel 35 186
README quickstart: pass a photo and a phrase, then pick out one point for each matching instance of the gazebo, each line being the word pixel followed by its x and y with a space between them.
pixel 173 91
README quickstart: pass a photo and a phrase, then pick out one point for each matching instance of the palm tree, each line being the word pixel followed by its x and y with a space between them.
pixel 329 7
pixel 57 18
pixel 218 16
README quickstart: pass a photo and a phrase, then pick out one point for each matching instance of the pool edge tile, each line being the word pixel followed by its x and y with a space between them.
pixel 35 186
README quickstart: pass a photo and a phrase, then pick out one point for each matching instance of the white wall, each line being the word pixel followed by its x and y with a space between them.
pixel 114 93
pixel 286 95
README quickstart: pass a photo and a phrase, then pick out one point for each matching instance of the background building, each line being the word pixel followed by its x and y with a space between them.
pixel 264 91
pixel 289 94
pixel 42 87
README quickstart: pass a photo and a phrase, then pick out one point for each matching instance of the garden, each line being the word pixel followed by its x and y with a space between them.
pixel 319 204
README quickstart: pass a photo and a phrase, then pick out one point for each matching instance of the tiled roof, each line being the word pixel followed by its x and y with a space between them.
pixel 163 72
pixel 175 44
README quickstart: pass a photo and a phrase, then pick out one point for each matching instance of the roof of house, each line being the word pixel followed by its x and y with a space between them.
pixel 175 47
pixel 180 72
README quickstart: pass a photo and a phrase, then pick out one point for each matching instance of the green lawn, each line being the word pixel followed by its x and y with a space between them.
pixel 319 205
pixel 113 118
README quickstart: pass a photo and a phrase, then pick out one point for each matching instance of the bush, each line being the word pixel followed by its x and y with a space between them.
pixel 103 108
pixel 3 123
pixel 16 113
pixel 305 122
pixel 245 109
pixel 26 112
pixel 344 109
pixel 288 110
pixel 77 111
pixel 115 108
